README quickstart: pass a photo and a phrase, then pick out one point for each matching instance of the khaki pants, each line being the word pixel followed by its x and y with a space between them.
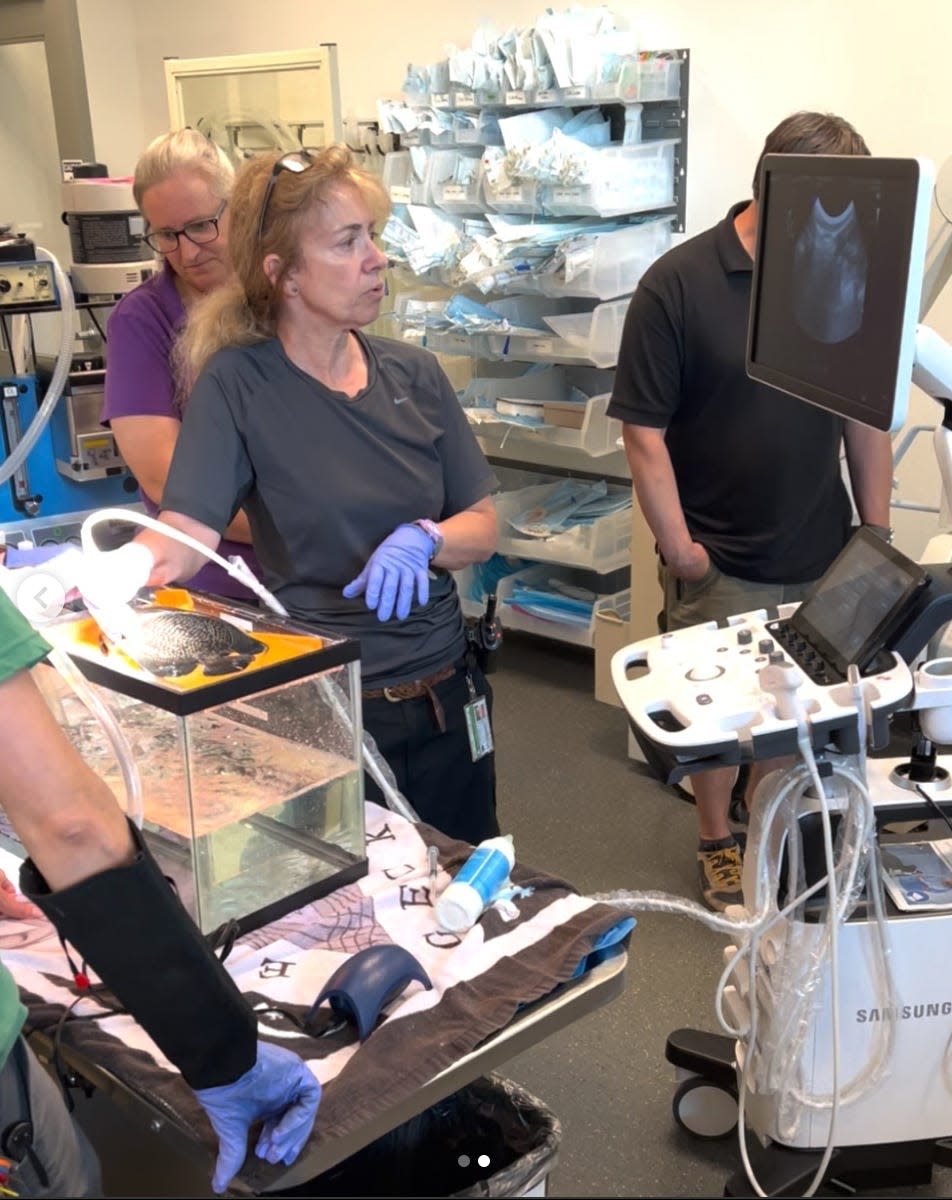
pixel 717 596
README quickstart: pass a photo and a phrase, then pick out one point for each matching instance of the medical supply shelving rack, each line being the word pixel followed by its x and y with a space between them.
pixel 587 314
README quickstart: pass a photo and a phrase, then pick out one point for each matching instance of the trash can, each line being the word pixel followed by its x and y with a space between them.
pixel 491 1138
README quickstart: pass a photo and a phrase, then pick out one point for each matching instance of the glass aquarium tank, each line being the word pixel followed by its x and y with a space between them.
pixel 245 729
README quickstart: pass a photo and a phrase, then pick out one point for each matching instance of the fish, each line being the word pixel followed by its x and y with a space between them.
pixel 171 644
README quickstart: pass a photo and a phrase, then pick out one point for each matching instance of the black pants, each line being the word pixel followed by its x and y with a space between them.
pixel 435 770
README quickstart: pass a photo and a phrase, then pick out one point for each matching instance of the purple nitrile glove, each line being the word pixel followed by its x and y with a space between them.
pixel 280 1090
pixel 399 565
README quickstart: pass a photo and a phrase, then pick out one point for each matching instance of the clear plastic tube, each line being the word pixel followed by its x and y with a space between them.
pixel 83 689
pixel 64 357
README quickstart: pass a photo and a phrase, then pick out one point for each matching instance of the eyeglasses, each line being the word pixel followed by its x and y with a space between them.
pixel 297 163
pixel 199 233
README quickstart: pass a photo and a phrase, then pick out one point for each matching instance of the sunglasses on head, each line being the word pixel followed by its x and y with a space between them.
pixel 297 163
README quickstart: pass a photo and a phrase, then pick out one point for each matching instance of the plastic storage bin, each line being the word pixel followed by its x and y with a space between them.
pixel 514 197
pixel 597 433
pixel 625 179
pixel 455 179
pixel 602 546
pixel 591 337
pixel 481 129
pixel 516 619
pixel 618 260
pixel 651 79
pixel 401 180
pixel 438 1152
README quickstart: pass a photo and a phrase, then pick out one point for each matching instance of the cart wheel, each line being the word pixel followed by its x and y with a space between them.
pixel 705 1109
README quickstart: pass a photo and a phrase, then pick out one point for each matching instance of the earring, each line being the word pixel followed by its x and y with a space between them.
pixel 293 289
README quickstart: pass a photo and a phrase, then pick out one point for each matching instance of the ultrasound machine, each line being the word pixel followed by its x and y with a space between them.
pixel 836 1060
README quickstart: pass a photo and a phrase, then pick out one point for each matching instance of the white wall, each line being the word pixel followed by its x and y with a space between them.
pixel 114 81
pixel 753 62
pixel 30 197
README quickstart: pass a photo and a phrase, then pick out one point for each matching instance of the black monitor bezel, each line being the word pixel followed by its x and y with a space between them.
pixel 911 170
pixel 877 640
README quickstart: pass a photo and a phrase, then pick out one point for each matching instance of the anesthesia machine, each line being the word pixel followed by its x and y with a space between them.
pixel 57 462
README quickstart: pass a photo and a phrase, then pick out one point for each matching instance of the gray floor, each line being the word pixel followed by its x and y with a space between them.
pixel 579 807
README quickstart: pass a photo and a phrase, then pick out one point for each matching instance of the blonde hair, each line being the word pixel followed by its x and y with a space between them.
pixel 245 309
pixel 183 150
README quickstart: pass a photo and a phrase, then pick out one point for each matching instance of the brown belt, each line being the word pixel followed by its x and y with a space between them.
pixel 414 689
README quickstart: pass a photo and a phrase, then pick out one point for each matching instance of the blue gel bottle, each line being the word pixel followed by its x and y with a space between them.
pixel 478 880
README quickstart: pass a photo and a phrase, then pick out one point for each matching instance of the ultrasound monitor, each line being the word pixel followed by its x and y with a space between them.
pixel 837 281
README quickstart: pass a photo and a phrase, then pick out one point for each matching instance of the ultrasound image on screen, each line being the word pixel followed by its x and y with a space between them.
pixel 830 264
pixel 859 592
pixel 833 266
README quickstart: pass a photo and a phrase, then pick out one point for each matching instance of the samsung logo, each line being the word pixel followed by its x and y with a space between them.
pixel 908 1012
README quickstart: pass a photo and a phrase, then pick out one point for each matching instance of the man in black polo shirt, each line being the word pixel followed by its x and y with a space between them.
pixel 740 483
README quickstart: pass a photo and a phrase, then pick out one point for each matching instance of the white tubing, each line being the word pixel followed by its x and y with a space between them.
pixel 236 567
pixel 64 357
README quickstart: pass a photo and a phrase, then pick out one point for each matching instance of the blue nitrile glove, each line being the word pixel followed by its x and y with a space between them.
pixel 399 564
pixel 280 1090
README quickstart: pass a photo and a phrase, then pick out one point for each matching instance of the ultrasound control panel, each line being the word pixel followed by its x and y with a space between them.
pixel 811 658
pixel 719 695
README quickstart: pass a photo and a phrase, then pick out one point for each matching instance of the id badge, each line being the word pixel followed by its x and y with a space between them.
pixel 477 728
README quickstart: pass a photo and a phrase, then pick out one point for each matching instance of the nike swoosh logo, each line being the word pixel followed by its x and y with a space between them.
pixel 399 399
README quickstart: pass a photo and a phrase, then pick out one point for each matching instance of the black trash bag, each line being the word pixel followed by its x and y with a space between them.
pixel 437 1153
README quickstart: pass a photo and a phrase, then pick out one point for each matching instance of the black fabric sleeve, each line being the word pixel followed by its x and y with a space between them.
pixel 647 386
pixel 132 929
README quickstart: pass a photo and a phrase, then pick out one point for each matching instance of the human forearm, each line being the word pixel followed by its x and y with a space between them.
pixel 171 558
pixel 657 492
pixel 65 815
pixel 468 537
pixel 870 463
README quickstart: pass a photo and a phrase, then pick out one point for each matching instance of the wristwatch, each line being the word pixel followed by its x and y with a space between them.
pixel 432 531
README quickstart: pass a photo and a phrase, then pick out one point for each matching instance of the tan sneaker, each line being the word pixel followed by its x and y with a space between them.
pixel 719 875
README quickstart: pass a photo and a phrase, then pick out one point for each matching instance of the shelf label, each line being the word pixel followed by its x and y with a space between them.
pixel 464 99
pixel 515 97
pixel 399 194
pixel 565 195
pixel 548 96
pixel 440 100
pixel 512 195
pixel 540 346
pixel 580 92
pixel 454 191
